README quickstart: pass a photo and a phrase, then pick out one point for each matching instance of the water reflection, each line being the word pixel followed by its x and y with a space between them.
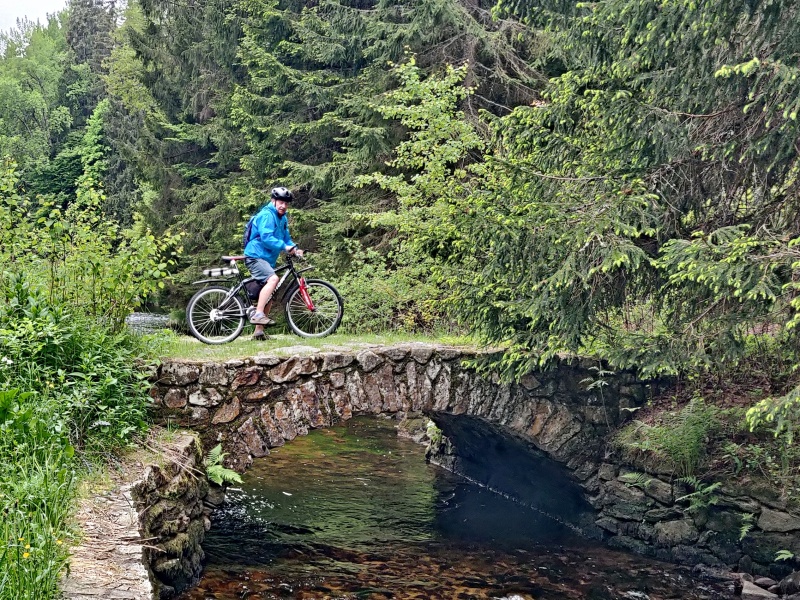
pixel 355 512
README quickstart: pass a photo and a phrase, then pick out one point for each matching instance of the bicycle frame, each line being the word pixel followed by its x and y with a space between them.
pixel 289 270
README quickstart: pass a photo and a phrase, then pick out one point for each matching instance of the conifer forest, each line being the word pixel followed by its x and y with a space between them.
pixel 615 179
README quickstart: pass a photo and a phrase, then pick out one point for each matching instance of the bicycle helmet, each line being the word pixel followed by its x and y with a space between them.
pixel 281 193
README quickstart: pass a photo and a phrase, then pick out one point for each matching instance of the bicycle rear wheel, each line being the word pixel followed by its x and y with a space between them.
pixel 326 314
pixel 211 321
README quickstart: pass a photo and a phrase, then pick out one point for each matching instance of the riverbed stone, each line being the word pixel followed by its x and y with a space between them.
pixel 227 412
pixel 750 591
pixel 778 521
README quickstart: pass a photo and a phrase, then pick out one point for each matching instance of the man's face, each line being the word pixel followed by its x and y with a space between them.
pixel 281 206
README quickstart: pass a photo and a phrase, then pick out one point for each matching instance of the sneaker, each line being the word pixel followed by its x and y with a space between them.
pixel 259 318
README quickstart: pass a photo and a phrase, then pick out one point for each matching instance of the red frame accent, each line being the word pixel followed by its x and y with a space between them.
pixel 304 294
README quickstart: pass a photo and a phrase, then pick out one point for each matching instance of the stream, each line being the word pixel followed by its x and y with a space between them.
pixel 355 512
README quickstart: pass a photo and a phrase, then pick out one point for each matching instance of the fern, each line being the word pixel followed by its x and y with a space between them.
pixel 784 555
pixel 638 480
pixel 215 471
pixel 747 525
pixel 703 496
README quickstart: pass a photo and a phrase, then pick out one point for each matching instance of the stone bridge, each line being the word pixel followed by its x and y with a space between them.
pixel 259 403
pixel 544 438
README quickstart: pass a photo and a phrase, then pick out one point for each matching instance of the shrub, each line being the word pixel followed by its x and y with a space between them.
pixel 678 441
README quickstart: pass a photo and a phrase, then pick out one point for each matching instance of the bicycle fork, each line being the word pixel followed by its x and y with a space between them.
pixel 301 282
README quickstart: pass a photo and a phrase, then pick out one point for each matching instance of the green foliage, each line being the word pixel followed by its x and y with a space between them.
pixel 70 387
pixel 677 441
pixel 703 496
pixel 216 471
pixel 780 414
pixel 784 555
pixel 618 214
pixel 748 521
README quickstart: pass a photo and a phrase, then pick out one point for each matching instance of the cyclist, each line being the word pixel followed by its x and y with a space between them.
pixel 268 238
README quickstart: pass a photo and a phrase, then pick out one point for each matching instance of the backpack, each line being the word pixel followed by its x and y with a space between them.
pixel 248 232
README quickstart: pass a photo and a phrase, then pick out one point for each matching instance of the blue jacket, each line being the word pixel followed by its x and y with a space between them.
pixel 269 236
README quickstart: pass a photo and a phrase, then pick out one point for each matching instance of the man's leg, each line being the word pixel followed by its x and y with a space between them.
pixel 265 296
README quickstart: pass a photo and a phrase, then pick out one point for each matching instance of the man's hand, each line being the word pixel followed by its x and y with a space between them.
pixel 298 252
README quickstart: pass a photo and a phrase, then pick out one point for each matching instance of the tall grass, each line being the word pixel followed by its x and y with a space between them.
pixel 70 391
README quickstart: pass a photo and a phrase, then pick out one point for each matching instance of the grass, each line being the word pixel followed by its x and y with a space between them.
pixel 189 348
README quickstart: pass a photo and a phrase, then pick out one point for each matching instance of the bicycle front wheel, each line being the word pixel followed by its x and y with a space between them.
pixel 212 319
pixel 326 314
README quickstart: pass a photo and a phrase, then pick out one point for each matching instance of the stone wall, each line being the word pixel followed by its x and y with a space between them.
pixel 648 518
pixel 171 501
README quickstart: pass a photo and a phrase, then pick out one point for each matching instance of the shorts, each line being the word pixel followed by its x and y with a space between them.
pixel 259 268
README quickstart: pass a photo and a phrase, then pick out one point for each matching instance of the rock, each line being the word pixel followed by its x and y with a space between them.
pixel 750 591
pixel 337 379
pixel 422 354
pixel 790 584
pixel 607 472
pixel 246 378
pixel 671 533
pixel 529 382
pixel 228 412
pixel 336 360
pixel 266 361
pixel 774 520
pixel 765 582
pixel 175 398
pixel 199 413
pixel 213 374
pixel 252 439
pixel 271 430
pixel 394 353
pixel 659 490
pixel 291 369
pixel 662 514
pixel 368 360
pixel 179 373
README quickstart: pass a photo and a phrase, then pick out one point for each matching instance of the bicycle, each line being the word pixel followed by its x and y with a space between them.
pixel 217 314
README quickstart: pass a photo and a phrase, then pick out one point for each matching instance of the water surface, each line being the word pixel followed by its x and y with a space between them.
pixel 355 512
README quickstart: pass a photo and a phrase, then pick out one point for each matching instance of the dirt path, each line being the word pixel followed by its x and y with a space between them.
pixel 108 561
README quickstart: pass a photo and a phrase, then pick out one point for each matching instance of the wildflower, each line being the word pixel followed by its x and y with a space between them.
pixel 26 554
pixel 21 539
pixel 59 542
pixel 27 546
